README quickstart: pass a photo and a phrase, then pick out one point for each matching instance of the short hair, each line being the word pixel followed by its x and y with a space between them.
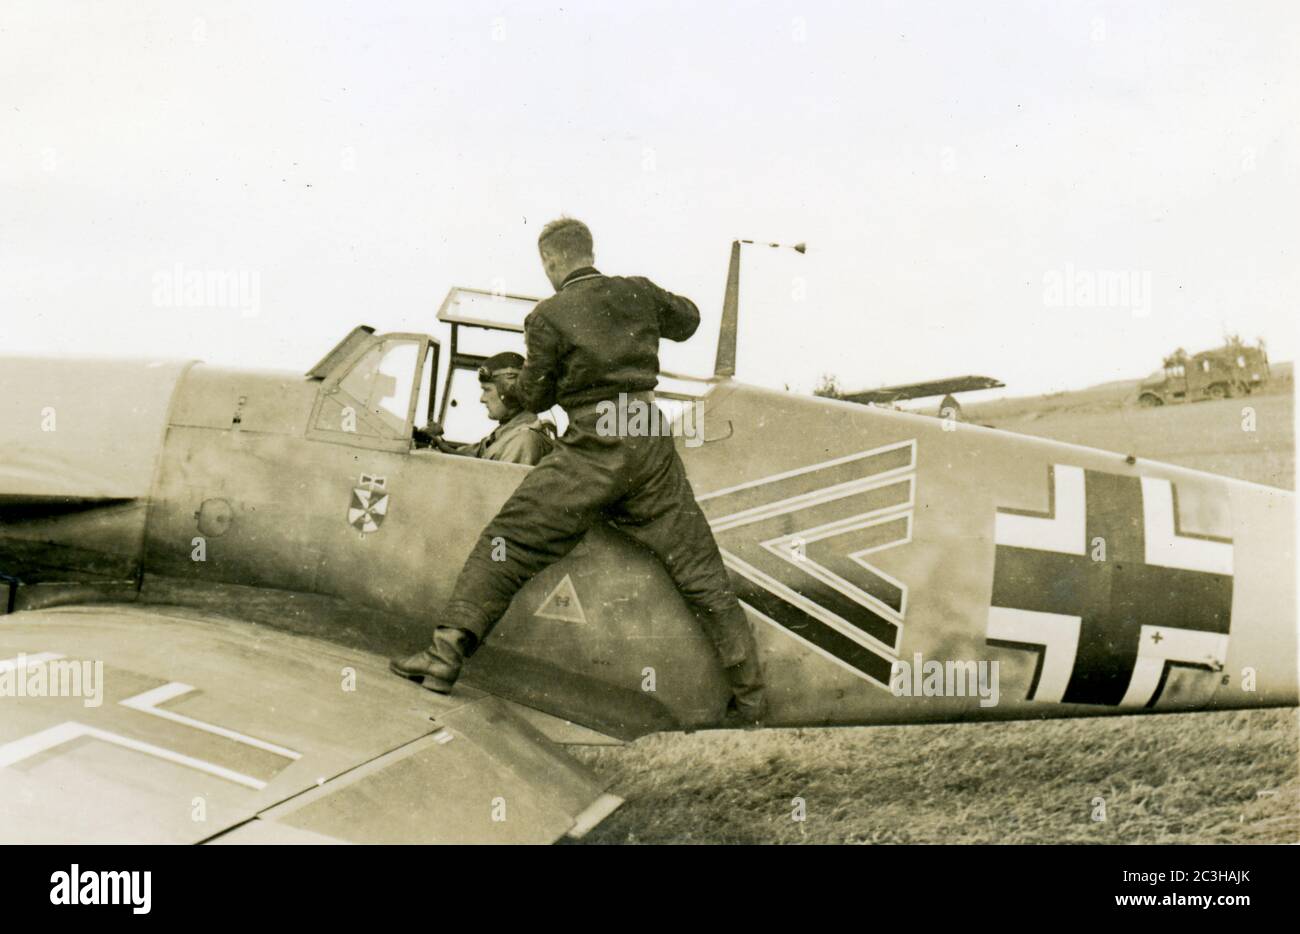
pixel 567 238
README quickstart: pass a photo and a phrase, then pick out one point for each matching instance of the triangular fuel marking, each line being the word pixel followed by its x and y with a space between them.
pixel 562 603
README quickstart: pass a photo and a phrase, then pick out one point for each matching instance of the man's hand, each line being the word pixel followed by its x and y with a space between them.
pixel 427 437
pixel 430 436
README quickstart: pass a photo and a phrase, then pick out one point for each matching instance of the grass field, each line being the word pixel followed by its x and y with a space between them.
pixel 1228 777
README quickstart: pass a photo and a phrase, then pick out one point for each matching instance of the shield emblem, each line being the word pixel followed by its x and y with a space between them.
pixel 369 504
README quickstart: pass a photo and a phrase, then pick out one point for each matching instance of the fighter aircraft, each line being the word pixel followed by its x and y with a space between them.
pixel 206 569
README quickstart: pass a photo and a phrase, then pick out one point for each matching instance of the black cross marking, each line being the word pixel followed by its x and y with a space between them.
pixel 1114 598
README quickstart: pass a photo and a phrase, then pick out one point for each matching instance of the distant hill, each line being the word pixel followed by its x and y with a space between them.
pixel 1100 398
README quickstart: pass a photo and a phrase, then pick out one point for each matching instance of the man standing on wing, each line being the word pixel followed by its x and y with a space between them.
pixel 596 341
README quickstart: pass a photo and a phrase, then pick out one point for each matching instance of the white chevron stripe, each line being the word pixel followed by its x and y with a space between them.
pixel 773 478
pixel 786 548
pixel 815 610
pixel 816 649
pixel 813 498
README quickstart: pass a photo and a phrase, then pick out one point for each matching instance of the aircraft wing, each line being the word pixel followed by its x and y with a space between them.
pixel 934 387
pixel 128 723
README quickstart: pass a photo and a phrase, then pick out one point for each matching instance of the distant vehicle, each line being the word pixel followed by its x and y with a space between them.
pixel 1235 369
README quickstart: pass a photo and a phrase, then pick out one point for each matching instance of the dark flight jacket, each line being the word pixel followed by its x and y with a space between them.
pixel 598 336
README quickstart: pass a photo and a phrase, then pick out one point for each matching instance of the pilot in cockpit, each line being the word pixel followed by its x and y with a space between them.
pixel 519 438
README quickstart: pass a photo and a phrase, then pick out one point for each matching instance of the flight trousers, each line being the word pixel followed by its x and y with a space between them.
pixel 635 482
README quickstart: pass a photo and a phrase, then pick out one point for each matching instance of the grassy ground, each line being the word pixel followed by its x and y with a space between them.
pixel 1227 777
pixel 1200 778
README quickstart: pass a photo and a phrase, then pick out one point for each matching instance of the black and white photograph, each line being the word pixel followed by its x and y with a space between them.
pixel 773 422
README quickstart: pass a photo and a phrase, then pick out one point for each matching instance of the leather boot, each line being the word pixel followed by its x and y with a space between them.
pixel 748 706
pixel 438 667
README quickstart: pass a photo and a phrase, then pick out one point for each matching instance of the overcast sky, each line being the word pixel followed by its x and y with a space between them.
pixel 962 172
